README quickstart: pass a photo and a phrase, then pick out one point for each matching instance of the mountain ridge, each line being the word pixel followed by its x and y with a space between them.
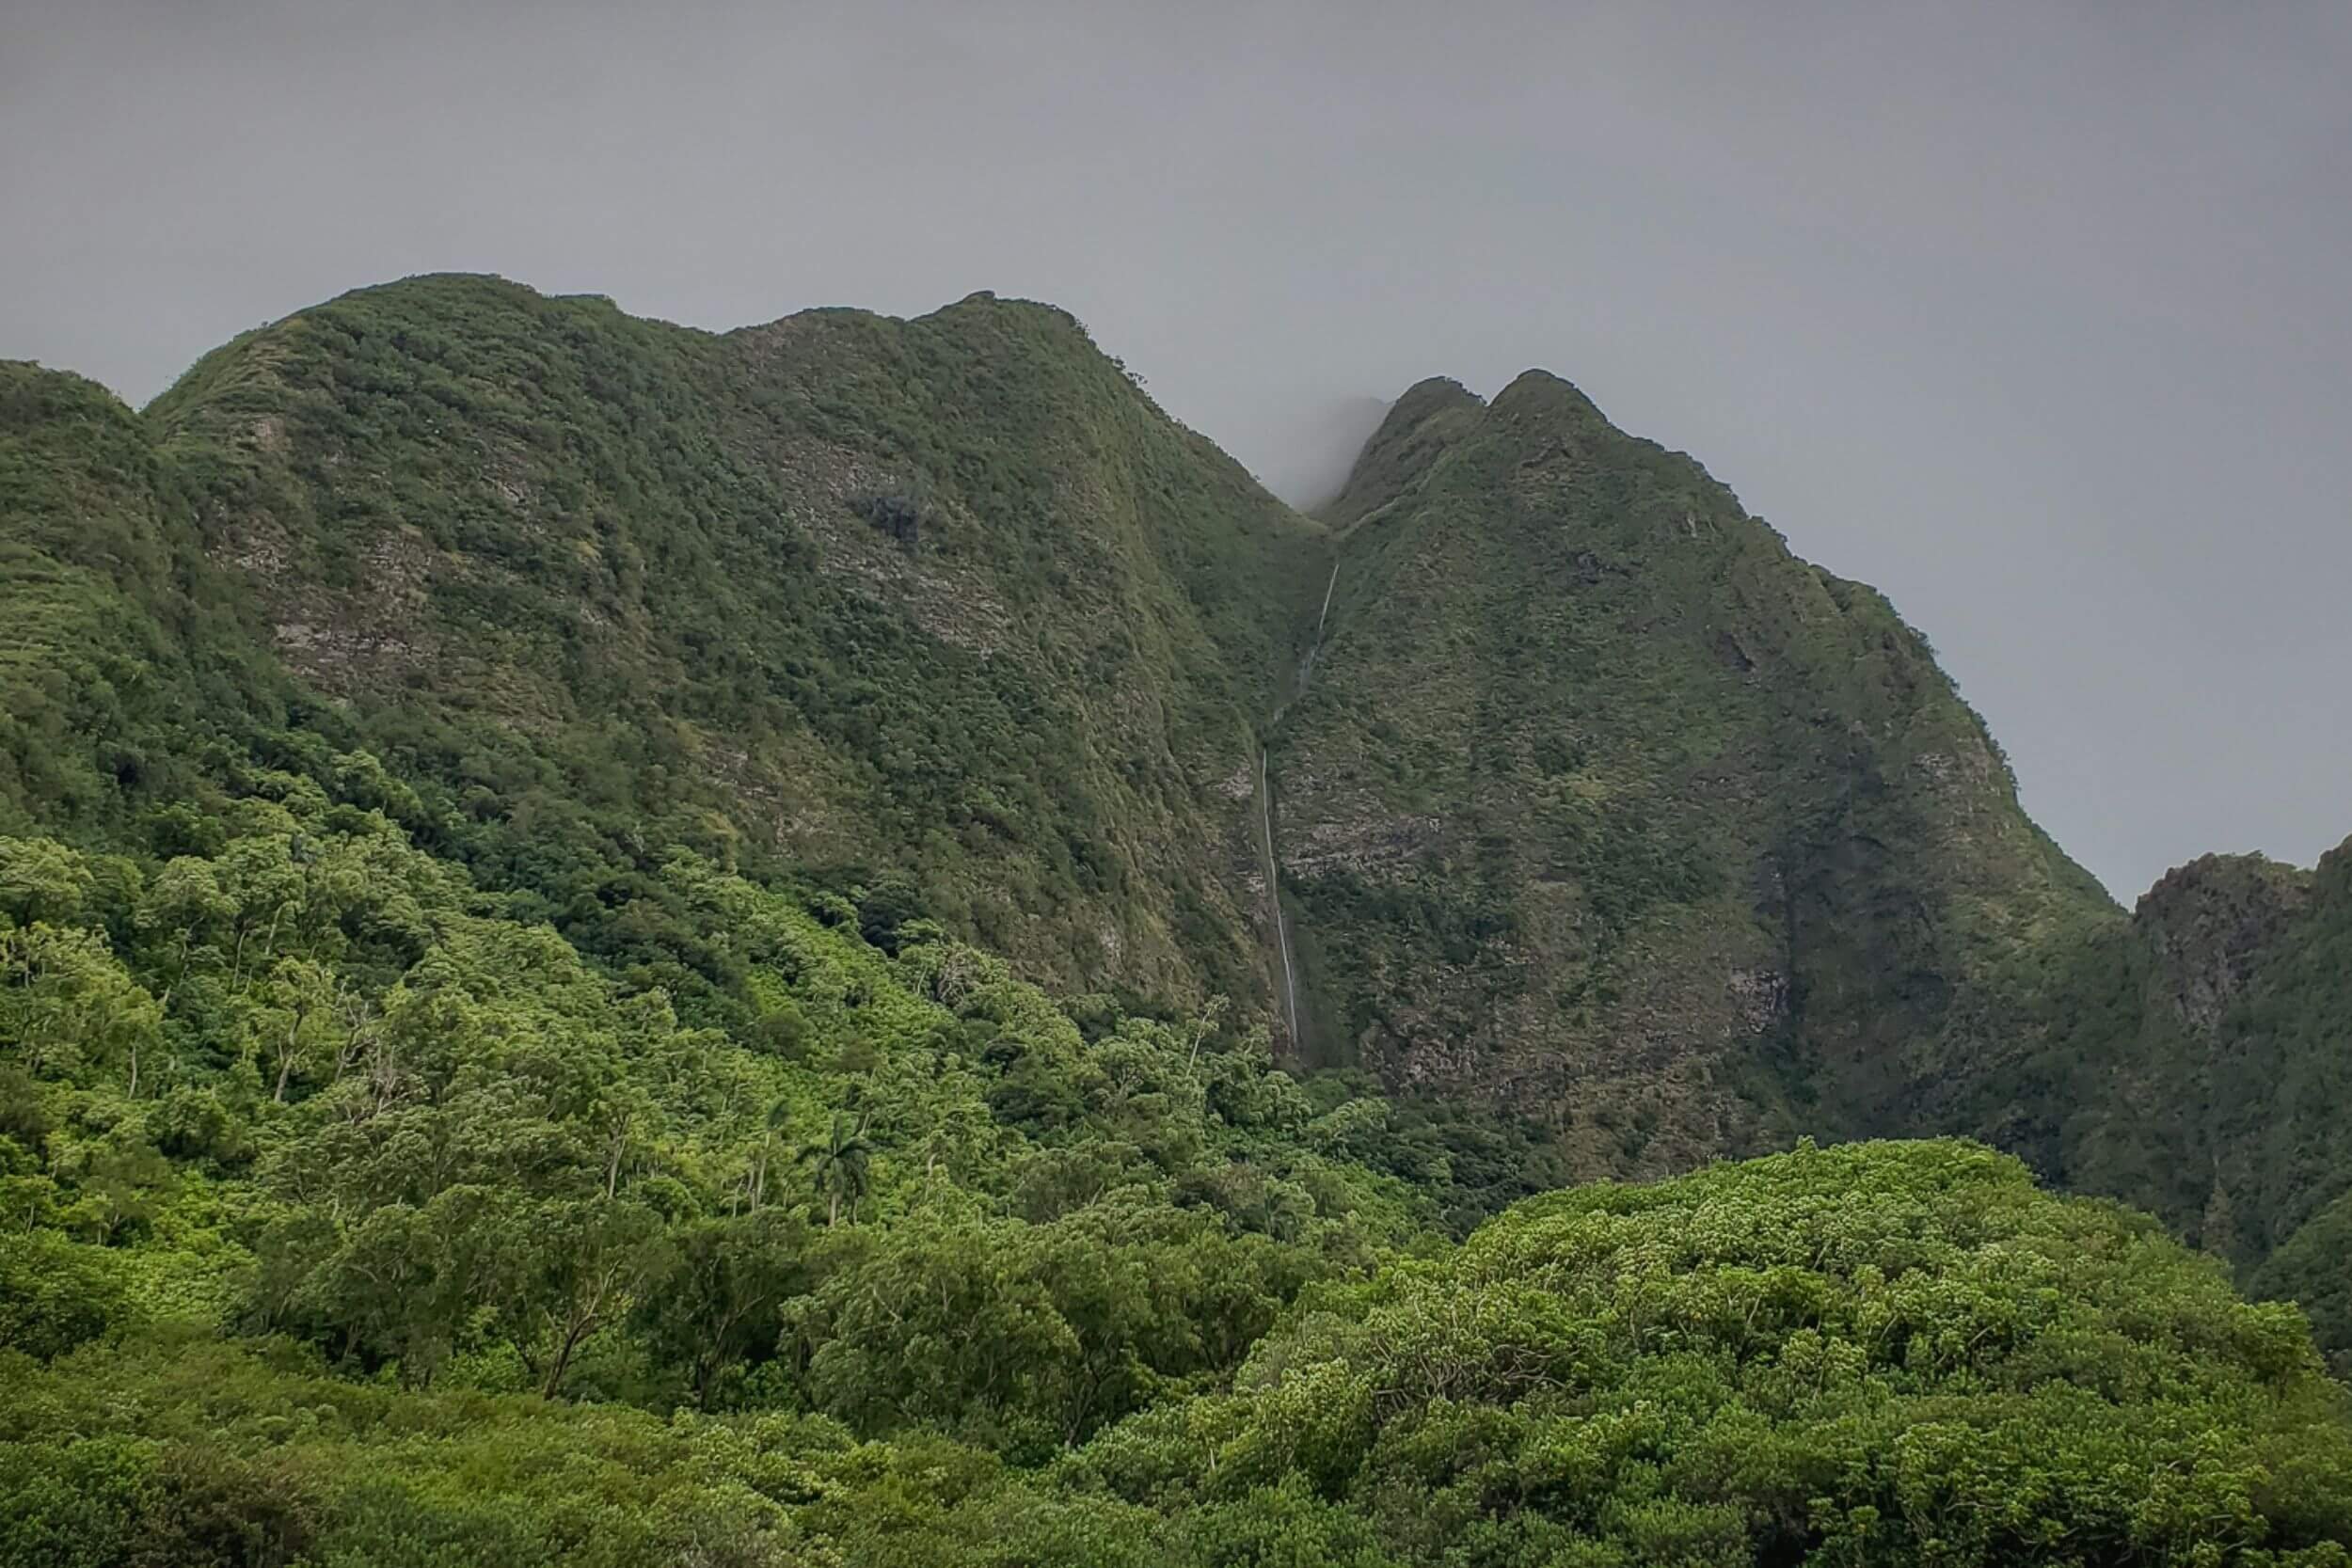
pixel 1540 447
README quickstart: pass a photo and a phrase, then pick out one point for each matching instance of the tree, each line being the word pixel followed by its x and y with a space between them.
pixel 43 881
pixel 68 1006
pixel 405 1282
pixel 55 1293
pixel 624 1117
pixel 841 1166
pixel 585 1264
pixel 943 1322
pixel 764 1152
pixel 296 1021
pixel 718 1301
pixel 185 903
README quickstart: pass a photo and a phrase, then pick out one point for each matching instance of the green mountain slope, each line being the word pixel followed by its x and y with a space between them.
pixel 1600 801
pixel 124 657
pixel 948 598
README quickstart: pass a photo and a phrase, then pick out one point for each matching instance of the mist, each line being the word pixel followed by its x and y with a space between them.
pixel 2033 315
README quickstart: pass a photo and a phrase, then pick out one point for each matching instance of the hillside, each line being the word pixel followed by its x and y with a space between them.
pixel 1598 798
pixel 2206 1068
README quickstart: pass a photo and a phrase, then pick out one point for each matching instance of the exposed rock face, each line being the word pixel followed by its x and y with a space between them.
pixel 2209 924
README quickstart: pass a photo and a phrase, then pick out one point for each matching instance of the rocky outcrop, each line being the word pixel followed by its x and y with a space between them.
pixel 2208 926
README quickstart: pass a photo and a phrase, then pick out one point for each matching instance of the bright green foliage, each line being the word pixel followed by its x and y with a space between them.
pixel 314 1085
pixel 1879 1353
pixel 321 1176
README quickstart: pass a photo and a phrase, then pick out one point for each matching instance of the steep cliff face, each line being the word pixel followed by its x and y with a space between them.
pixel 1603 803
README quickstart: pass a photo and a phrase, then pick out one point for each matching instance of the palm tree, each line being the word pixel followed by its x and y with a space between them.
pixel 842 1166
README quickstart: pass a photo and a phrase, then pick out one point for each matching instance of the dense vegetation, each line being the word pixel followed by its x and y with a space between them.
pixel 1883 1353
pixel 621 946
pixel 2224 1024
pixel 305 1085
pixel 350 1220
pixel 1050 1344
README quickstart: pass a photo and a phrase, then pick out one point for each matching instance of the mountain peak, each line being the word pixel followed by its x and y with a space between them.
pixel 1432 413
pixel 1540 395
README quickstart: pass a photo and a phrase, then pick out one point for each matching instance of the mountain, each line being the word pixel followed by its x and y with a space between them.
pixel 838 943
pixel 948 598
pixel 1599 798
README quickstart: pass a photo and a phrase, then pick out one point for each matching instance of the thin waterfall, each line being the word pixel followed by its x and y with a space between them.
pixel 1265 807
pixel 1274 892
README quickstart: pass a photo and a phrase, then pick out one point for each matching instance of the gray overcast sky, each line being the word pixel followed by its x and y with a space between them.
pixel 2037 315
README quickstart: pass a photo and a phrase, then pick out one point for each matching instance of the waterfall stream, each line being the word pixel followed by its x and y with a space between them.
pixel 1266 810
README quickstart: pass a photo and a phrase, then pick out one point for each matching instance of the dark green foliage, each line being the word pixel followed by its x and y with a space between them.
pixel 594 583
pixel 53 1295
pixel 123 660
pixel 2315 1271
pixel 2222 1019
pixel 899 516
